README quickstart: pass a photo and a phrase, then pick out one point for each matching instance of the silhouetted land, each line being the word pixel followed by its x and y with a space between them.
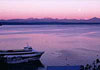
pixel 49 21
pixel 45 23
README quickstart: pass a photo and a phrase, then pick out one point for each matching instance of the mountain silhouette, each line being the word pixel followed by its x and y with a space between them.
pixel 48 21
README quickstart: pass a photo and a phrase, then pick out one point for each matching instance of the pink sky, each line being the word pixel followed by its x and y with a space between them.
pixel 71 9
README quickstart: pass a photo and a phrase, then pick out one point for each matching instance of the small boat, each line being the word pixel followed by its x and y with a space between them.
pixel 19 56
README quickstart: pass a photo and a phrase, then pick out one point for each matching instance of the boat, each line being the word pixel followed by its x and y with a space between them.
pixel 19 56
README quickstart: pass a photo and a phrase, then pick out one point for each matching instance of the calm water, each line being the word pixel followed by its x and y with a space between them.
pixel 63 44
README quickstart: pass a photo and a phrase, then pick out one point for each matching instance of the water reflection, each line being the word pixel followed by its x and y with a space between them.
pixel 32 65
pixel 79 44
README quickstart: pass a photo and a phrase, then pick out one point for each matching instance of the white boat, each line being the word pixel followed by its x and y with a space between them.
pixel 19 56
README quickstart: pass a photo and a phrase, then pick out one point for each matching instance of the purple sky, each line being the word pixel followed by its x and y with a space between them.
pixel 71 9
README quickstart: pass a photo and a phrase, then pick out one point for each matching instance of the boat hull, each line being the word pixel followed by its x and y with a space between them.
pixel 13 58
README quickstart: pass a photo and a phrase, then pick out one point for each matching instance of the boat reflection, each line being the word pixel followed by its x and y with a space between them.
pixel 32 65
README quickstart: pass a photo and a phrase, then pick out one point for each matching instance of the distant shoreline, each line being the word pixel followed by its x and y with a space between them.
pixel 46 23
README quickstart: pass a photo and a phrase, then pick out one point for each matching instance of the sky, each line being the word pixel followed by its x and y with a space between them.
pixel 70 9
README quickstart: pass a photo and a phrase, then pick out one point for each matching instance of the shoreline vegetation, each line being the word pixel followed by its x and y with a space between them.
pixel 94 66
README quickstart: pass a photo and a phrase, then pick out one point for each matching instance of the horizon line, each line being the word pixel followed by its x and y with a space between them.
pixel 51 18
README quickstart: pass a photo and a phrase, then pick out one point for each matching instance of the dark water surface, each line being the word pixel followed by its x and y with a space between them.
pixel 63 44
pixel 33 65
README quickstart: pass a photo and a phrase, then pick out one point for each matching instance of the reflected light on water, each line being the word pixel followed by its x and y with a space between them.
pixel 79 44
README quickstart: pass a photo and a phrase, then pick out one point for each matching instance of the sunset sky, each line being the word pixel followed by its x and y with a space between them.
pixel 71 9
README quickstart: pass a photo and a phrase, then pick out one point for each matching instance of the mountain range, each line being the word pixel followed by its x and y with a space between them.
pixel 49 21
